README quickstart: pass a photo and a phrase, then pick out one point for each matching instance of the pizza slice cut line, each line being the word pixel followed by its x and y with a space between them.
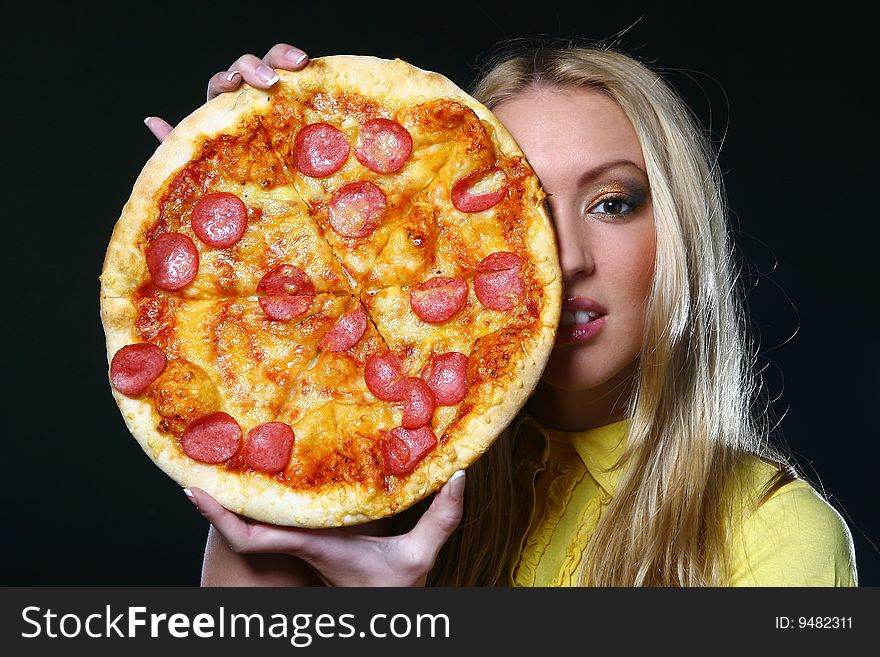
pixel 418 391
pixel 393 455
pixel 344 231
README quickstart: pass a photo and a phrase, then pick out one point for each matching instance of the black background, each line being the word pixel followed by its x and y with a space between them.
pixel 787 97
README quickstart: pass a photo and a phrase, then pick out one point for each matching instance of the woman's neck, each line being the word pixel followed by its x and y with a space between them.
pixel 579 410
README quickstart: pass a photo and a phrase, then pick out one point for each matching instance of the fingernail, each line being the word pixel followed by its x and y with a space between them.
pixel 191 497
pixel 266 74
pixel 296 56
pixel 456 485
pixel 147 121
pixel 231 75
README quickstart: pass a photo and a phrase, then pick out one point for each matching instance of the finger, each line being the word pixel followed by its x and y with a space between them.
pixel 254 71
pixel 283 55
pixel 233 529
pixel 222 82
pixel 158 127
pixel 441 518
pixel 241 536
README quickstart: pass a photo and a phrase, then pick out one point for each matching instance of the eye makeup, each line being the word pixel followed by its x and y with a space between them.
pixel 628 191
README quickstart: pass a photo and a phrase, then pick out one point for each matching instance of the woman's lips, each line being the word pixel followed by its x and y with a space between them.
pixel 582 319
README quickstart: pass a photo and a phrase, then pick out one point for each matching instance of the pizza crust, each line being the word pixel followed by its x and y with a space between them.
pixel 124 266
pixel 494 402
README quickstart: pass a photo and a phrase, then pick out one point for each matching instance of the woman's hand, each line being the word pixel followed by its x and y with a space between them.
pixel 348 556
pixel 247 68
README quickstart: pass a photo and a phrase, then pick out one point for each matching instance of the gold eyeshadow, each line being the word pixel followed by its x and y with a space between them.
pixel 635 189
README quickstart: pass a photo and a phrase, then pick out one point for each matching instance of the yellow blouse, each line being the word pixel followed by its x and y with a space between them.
pixel 794 539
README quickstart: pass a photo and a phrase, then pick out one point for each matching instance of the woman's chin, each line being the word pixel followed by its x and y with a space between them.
pixel 573 372
pixel 568 376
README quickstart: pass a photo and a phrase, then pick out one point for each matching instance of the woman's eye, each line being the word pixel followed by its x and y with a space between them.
pixel 613 205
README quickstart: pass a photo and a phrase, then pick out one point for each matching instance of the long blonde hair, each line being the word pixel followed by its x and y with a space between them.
pixel 692 429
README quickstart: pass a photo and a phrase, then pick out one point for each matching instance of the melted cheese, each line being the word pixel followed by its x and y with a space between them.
pixel 225 354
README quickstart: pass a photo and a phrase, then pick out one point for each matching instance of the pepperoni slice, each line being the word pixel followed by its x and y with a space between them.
pixel 320 149
pixel 418 404
pixel 290 292
pixel 403 449
pixel 286 279
pixel 383 146
pixel 284 307
pixel 385 378
pixel 480 190
pixel 500 260
pixel 347 331
pixel 219 219
pixel 438 299
pixel 135 367
pixel 446 376
pixel 267 447
pixel 173 261
pixel 355 210
pixel 213 438
pixel 499 284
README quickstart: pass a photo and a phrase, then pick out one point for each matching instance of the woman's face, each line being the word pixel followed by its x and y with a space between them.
pixel 589 160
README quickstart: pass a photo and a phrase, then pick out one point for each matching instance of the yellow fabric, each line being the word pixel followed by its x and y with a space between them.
pixel 794 539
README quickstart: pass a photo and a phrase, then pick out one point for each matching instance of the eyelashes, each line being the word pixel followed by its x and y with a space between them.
pixel 615 201
pixel 616 205
pixel 618 200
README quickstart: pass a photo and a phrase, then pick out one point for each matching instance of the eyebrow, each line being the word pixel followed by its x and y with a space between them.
pixel 595 172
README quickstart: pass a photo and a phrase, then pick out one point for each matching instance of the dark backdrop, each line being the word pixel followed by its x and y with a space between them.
pixel 785 96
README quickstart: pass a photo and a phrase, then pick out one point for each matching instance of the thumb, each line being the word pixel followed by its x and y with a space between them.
pixel 443 516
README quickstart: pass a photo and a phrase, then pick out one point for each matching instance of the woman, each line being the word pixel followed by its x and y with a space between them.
pixel 637 462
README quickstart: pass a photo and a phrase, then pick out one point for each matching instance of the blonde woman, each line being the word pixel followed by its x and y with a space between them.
pixel 637 462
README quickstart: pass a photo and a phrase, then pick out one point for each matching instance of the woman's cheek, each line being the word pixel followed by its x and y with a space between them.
pixel 643 253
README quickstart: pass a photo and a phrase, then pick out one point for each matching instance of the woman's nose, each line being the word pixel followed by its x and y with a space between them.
pixel 575 254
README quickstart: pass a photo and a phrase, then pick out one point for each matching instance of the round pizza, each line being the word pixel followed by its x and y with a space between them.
pixel 322 300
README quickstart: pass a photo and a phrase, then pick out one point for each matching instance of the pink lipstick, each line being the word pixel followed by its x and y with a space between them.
pixel 581 320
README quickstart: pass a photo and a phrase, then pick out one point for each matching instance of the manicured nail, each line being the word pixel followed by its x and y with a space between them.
pixel 147 121
pixel 296 56
pixel 267 75
pixel 456 485
pixel 231 75
pixel 191 497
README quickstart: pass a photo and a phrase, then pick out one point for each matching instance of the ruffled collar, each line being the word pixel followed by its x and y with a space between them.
pixel 598 448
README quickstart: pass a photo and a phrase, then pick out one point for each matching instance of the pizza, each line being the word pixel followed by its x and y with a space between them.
pixel 322 300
